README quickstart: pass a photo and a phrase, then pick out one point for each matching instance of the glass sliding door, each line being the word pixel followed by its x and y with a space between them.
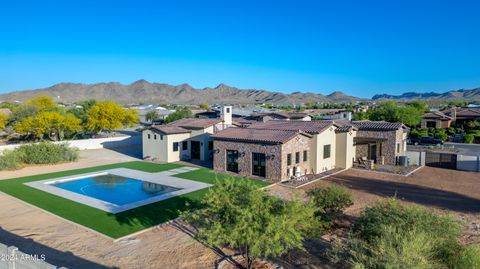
pixel 232 161
pixel 258 164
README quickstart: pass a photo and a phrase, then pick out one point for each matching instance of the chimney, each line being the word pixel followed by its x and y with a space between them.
pixel 454 114
pixel 226 115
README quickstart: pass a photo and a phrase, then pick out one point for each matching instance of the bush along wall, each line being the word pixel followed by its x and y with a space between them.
pixel 39 153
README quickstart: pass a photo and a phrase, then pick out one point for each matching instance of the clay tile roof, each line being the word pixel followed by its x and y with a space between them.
pixel 195 123
pixel 165 129
pixel 284 114
pixel 377 125
pixel 303 126
pixel 468 112
pixel 436 115
pixel 256 135
pixel 345 128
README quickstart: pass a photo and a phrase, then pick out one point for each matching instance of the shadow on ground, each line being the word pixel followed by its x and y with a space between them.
pixel 157 213
pixel 53 256
pixel 410 192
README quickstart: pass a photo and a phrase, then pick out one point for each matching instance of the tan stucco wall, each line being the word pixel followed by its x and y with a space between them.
pixel 162 148
pixel 320 140
pixel 345 151
pixel 154 148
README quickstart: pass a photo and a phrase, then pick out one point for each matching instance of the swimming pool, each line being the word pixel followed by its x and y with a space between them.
pixel 120 189
pixel 115 189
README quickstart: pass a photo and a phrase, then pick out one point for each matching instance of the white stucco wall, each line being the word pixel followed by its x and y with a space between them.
pixel 93 143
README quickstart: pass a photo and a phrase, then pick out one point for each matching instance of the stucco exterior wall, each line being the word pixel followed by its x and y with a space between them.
pixel 154 148
pixel 345 149
pixel 327 137
pixel 162 148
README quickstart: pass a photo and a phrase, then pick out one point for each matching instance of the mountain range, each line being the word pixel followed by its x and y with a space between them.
pixel 142 91
pixel 463 94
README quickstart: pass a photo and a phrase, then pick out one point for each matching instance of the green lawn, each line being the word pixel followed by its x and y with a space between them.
pixel 123 223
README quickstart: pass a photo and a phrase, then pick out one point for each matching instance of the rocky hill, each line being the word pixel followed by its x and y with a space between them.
pixel 463 94
pixel 142 91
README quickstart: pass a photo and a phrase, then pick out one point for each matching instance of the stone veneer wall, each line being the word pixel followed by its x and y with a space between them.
pixel 298 144
pixel 388 148
pixel 276 167
pixel 273 166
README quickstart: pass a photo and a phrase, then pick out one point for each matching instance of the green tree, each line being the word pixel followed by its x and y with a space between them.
pixel 20 113
pixel 81 112
pixel 3 120
pixel 329 203
pixel 180 113
pixel 42 103
pixel 238 215
pixel 50 124
pixel 204 106
pixel 152 116
pixel 108 116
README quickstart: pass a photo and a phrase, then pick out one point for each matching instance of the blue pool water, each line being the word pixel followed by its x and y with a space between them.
pixel 115 189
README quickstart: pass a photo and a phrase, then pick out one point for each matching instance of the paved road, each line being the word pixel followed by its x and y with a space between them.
pixel 465 149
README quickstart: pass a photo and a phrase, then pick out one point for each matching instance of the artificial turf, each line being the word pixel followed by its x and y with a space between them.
pixel 123 223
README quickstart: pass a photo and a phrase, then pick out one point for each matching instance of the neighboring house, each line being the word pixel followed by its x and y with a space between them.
pixel 281 115
pixel 457 117
pixel 279 149
pixel 185 139
pixel 380 141
pixel 339 115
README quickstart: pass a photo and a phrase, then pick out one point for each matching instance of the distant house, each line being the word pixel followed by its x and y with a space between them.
pixel 281 115
pixel 185 139
pixel 456 117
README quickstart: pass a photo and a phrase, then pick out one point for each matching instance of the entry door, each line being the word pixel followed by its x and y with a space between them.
pixel 258 164
pixel 195 150
pixel 372 152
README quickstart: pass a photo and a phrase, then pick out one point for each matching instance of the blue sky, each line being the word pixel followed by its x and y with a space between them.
pixel 359 47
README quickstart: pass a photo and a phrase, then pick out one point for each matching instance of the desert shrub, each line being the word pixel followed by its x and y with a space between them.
pixel 47 153
pixel 391 235
pixel 470 258
pixel 330 202
pixel 10 159
pixel 41 153
pixel 441 134
pixel 468 138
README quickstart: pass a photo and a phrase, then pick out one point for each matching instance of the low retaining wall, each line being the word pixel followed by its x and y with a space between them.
pixel 94 143
pixel 468 163
pixel 11 257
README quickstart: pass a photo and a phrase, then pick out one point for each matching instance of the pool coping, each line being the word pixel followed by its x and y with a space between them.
pixel 164 178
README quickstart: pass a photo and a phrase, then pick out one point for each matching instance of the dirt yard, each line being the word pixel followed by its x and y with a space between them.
pixel 444 190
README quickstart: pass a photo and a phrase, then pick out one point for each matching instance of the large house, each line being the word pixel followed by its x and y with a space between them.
pixel 275 149
pixel 457 117
pixel 185 139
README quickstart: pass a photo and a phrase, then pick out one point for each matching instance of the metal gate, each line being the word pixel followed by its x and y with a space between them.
pixel 442 160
